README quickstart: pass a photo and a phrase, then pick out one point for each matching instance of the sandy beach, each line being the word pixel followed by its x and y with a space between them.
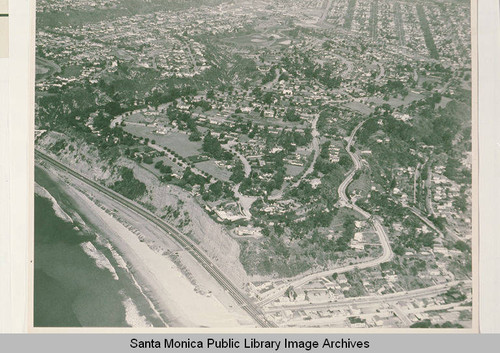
pixel 179 302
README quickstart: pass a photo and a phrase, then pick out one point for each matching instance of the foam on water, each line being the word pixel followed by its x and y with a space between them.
pixel 41 191
pixel 132 315
pixel 123 265
pixel 119 260
pixel 100 259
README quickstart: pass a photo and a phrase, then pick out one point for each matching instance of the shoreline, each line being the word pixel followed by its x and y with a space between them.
pixel 158 278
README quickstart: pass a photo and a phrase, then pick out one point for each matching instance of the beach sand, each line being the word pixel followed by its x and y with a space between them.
pixel 144 251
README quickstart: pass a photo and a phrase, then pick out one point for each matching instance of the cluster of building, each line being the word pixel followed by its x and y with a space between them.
pixel 444 193
pixel 85 53
pixel 382 42
pixel 398 24
pixel 78 5
pixel 322 303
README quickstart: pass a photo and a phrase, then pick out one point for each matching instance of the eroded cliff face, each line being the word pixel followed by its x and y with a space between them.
pixel 172 203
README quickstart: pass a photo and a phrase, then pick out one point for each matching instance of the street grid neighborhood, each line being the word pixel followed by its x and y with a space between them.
pixel 294 163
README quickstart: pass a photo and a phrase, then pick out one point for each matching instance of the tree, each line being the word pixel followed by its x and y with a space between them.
pixel 462 246
pixel 238 173
pixel 422 324
pixel 216 189
pixel 290 293
pixel 212 146
pixel 195 135
pixel 166 169
pixel 113 108
pixel 291 115
pixel 210 94
pixel 102 121
pixel 129 186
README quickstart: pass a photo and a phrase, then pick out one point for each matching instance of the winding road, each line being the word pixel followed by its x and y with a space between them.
pixel 387 253
pixel 244 202
pixel 315 146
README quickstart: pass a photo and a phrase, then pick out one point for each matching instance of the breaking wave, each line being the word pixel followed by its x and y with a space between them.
pixel 101 260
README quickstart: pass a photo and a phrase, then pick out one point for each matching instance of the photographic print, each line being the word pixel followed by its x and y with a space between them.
pixel 243 164
pixel 4 28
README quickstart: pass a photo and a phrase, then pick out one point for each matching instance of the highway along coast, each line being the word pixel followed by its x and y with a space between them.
pixel 221 305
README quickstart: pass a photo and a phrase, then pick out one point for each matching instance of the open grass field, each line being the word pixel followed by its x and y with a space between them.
pixel 373 19
pixel 255 40
pixel 72 71
pixel 265 37
pixel 140 118
pixel 176 141
pixel 166 161
pixel 45 68
pixel 396 102
pixel 359 107
pixel 214 170
pixel 293 170
pixel 424 25
pixel 349 15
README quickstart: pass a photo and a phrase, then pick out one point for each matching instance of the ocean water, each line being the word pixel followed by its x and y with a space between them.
pixel 80 280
